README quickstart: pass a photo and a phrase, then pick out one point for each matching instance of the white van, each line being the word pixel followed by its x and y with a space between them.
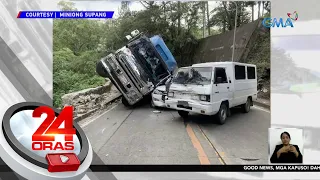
pixel 210 89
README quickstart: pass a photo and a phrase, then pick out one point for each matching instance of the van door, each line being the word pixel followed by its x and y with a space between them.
pixel 221 87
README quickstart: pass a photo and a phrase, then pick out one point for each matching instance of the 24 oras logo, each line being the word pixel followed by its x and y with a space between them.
pixel 44 138
pixel 281 22
pixel 36 137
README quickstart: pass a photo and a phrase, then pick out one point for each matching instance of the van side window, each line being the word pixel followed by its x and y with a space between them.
pixel 220 72
pixel 240 72
pixel 161 52
pixel 251 72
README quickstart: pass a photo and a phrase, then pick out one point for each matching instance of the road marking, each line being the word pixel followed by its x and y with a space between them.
pixel 262 109
pixel 103 130
pixel 93 119
pixel 196 143
pixel 221 161
pixel 211 144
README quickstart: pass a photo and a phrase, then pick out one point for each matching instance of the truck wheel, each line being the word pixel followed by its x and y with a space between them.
pixel 101 70
pixel 125 102
pixel 246 107
pixel 183 114
pixel 222 114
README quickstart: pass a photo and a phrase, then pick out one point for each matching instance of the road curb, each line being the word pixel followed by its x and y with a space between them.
pixel 111 100
pixel 267 106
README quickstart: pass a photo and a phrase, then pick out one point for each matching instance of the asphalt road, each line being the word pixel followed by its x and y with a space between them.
pixel 142 136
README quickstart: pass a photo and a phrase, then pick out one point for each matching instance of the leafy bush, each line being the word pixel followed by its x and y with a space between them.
pixel 73 73
pixel 66 81
pixel 86 63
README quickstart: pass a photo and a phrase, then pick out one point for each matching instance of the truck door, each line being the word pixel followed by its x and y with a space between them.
pixel 221 87
pixel 164 52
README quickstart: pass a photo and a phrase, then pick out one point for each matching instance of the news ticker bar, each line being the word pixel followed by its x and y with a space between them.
pixel 65 14
pixel 197 168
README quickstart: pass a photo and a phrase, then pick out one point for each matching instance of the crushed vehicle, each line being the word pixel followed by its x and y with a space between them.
pixel 209 89
pixel 139 67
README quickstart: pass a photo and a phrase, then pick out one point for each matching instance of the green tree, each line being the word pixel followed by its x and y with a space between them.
pixel 70 33
pixel 78 35
pixel 267 7
pixel 66 6
pixel 75 45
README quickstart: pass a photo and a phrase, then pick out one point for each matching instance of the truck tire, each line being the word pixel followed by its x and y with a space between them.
pixel 183 114
pixel 100 70
pixel 125 102
pixel 246 107
pixel 222 114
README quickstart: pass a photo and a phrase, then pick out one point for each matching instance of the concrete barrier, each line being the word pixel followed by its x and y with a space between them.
pixel 88 101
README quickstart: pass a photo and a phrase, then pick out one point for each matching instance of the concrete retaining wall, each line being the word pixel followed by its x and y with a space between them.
pixel 90 100
pixel 218 48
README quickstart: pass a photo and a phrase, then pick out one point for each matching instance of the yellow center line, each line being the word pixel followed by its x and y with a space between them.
pixel 220 155
pixel 196 143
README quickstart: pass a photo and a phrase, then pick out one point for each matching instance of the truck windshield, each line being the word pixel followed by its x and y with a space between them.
pixel 194 75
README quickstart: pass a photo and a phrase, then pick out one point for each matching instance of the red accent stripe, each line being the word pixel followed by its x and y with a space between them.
pixel 19 14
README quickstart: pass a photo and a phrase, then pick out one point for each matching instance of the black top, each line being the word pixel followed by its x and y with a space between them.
pixel 288 157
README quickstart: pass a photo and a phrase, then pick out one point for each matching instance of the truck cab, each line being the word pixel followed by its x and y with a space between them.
pixel 137 68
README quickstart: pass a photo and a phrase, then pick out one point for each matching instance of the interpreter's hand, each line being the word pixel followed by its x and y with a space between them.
pixel 285 149
pixel 293 149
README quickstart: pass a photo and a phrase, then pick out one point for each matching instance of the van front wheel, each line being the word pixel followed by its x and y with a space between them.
pixel 222 114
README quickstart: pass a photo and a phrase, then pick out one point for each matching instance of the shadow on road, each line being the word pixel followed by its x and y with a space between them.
pixel 212 120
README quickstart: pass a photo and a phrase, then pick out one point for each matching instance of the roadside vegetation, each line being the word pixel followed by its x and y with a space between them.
pixel 260 55
pixel 79 43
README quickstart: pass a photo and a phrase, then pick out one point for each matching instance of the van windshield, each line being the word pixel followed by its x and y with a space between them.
pixel 194 75
pixel 181 76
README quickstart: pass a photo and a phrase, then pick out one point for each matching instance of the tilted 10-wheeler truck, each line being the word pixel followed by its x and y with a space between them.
pixel 139 67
